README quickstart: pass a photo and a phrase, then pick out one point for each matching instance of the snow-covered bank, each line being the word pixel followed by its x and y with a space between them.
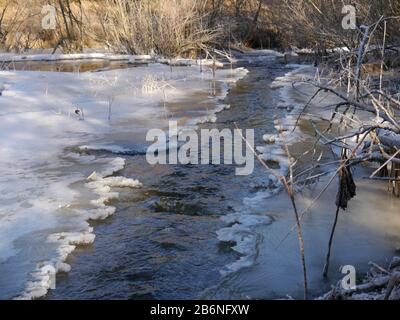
pixel 45 194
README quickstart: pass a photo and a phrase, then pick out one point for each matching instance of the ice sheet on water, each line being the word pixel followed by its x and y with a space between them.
pixel 39 121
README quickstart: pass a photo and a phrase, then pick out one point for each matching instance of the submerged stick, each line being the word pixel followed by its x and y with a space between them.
pixel 328 256
pixel 347 191
pixel 300 238
pixel 290 191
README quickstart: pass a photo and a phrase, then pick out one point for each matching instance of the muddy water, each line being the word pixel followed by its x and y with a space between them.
pixel 162 242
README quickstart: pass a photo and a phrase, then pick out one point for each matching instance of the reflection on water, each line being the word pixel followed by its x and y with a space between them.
pixel 68 66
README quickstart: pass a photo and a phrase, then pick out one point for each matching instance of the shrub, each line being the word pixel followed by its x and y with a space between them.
pixel 167 27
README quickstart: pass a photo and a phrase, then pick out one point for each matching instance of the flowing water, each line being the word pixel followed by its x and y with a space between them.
pixel 163 243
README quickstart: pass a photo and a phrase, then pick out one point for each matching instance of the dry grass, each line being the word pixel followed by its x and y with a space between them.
pixel 167 27
pixel 185 27
pixel 318 23
pixel 19 25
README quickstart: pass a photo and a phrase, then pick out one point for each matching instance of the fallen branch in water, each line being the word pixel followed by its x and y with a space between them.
pixel 382 284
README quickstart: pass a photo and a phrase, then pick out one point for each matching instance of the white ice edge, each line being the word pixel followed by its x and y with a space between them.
pixel 101 184
pixel 242 225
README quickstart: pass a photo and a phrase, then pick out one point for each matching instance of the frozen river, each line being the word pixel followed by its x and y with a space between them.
pixel 136 231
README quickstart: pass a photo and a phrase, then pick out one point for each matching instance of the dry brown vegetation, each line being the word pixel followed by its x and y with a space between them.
pixel 318 22
pixel 169 27
pixel 21 26
pixel 174 27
